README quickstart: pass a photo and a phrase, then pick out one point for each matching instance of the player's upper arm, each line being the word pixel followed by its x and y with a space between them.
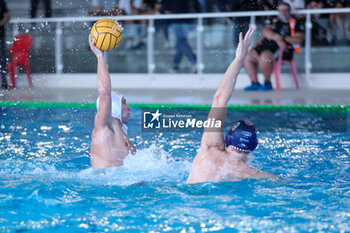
pixel 104 116
pixel 213 137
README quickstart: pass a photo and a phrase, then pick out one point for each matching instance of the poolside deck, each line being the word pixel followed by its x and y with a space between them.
pixel 166 96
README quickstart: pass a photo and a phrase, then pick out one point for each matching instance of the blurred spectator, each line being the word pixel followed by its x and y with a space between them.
pixel 269 5
pixel 131 30
pixel 347 22
pixel 224 6
pixel 206 5
pixel 318 32
pixel 336 20
pixel 295 4
pixel 4 19
pixel 181 29
pixel 203 5
pixel 96 11
pixel 284 32
pixel 163 24
pixel 105 8
pixel 241 23
pixel 147 7
pixel 34 8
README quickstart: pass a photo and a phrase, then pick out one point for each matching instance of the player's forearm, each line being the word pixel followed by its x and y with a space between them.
pixel 271 35
pixel 103 79
pixel 297 39
pixel 228 83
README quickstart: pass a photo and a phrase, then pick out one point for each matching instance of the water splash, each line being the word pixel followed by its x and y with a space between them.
pixel 149 164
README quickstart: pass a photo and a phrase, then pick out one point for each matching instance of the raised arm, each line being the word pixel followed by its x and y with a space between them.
pixel 104 116
pixel 214 138
pixel 227 85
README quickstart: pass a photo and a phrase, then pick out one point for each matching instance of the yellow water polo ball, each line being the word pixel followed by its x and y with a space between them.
pixel 107 34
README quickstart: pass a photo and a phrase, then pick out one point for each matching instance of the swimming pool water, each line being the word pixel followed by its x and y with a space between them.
pixel 47 184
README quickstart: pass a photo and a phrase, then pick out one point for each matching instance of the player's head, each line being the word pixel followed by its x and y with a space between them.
pixel 242 137
pixel 284 10
pixel 120 109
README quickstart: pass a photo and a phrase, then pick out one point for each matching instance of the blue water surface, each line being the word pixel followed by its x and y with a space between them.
pixel 47 184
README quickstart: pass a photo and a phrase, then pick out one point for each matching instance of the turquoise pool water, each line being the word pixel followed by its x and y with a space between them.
pixel 46 182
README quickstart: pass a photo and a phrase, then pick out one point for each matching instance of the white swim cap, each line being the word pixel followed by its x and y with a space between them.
pixel 116 107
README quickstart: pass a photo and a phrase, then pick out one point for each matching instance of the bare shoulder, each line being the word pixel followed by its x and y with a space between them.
pixel 203 166
pixel 102 132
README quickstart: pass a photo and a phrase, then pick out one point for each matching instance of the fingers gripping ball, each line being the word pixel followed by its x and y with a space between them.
pixel 107 34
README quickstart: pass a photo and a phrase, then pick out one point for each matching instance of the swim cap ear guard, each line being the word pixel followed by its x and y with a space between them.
pixel 242 136
pixel 116 107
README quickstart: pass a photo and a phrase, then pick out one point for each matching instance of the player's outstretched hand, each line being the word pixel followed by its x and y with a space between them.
pixel 244 45
pixel 94 49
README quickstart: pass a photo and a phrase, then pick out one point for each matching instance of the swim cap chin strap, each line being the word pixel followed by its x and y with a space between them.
pixel 242 136
pixel 116 107
pixel 240 149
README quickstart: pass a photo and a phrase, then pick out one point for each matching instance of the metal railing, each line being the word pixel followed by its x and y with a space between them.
pixel 200 27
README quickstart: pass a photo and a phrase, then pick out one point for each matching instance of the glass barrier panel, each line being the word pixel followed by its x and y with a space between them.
pixel 76 54
pixel 131 55
pixel 218 48
pixel 42 53
pixel 330 52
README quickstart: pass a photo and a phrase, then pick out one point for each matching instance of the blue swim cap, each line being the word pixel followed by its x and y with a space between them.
pixel 242 136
